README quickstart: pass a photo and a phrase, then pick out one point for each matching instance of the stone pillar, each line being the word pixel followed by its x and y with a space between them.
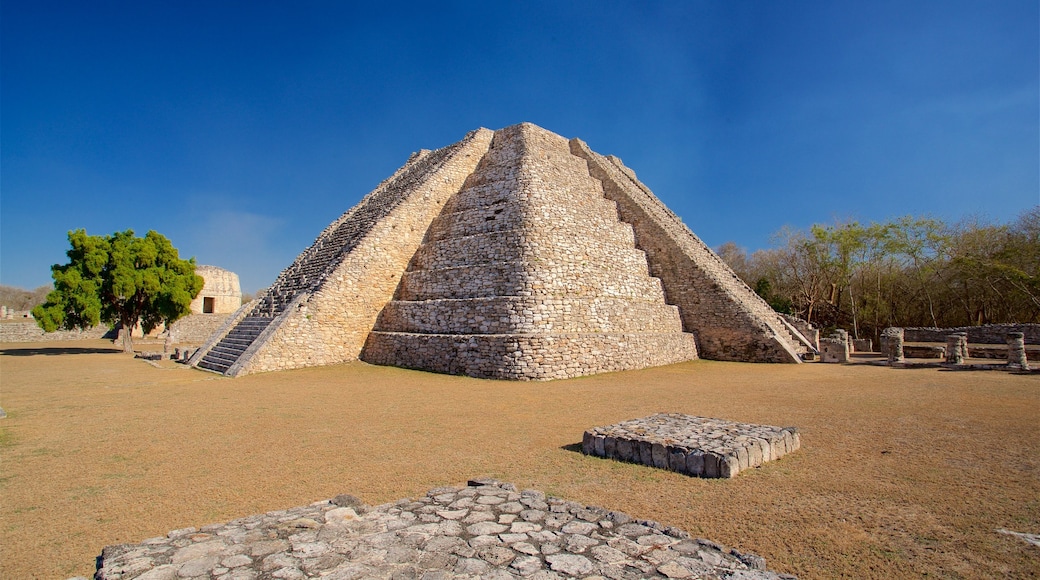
pixel 893 339
pixel 1016 352
pixel 955 347
pixel 964 344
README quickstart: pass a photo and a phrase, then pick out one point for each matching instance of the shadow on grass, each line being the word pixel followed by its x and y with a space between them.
pixel 575 447
pixel 57 350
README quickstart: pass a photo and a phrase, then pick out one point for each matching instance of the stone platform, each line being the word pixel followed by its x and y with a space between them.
pixel 487 530
pixel 696 446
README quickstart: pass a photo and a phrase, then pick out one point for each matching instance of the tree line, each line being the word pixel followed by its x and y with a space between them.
pixel 20 299
pixel 910 271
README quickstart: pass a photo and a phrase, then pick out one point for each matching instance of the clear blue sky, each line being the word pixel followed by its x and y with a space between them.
pixel 241 129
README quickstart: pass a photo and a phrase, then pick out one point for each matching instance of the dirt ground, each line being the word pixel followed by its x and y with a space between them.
pixel 902 472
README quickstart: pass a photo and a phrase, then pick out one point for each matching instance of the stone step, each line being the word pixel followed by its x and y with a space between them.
pixel 215 356
pixel 227 352
pixel 213 366
pixel 236 340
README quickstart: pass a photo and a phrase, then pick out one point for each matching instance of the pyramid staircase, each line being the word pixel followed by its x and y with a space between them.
pixel 309 271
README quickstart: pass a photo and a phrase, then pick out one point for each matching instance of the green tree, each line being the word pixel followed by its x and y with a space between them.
pixel 119 279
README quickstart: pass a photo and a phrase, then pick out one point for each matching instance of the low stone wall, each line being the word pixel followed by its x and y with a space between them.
pixel 987 334
pixel 196 328
pixel 994 351
pixel 697 446
pixel 28 331
pixel 485 530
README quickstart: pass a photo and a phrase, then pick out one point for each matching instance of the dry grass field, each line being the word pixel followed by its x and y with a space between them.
pixel 902 473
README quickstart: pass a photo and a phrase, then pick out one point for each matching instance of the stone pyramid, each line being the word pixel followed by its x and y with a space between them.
pixel 512 254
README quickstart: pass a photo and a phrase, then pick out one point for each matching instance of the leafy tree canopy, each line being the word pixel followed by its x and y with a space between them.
pixel 119 279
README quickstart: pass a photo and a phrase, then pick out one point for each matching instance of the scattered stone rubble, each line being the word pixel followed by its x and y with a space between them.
pixel 697 446
pixel 487 530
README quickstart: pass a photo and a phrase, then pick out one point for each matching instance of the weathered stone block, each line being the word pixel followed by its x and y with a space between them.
pixel 696 446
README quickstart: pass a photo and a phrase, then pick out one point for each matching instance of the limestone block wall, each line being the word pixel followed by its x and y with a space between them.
pixel 331 325
pixel 529 274
pixel 220 294
pixel 730 321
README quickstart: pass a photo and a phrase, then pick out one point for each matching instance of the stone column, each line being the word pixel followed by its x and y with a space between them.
pixel 955 349
pixel 1016 352
pixel 893 338
pixel 964 344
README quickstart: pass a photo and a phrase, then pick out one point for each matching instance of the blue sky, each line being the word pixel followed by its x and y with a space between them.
pixel 241 129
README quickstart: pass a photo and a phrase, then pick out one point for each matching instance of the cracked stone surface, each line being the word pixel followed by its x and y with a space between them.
pixel 472 532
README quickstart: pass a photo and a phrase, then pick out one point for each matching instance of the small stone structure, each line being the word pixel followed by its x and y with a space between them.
pixel 1016 351
pixel 892 344
pixel 488 530
pixel 697 446
pixel 956 348
pixel 834 350
pixel 220 294
pixel 512 254
pixel 992 341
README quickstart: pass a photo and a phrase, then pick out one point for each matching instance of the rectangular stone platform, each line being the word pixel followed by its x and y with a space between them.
pixel 697 446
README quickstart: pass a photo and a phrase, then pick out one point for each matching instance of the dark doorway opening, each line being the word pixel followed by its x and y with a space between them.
pixel 207 305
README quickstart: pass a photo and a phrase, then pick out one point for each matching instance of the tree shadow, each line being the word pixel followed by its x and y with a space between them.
pixel 57 350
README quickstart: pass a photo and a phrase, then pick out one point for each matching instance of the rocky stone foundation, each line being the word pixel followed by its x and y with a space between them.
pixel 485 530
pixel 697 446
pixel 531 357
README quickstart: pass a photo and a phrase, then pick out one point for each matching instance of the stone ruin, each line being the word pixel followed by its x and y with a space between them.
pixel 487 529
pixel 512 254
pixel 959 346
pixel 220 294
pixel 696 446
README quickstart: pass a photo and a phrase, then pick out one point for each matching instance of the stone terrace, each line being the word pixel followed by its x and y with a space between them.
pixel 696 446
pixel 486 530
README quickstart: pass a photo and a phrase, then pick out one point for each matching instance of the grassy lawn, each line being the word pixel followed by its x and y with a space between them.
pixel 902 472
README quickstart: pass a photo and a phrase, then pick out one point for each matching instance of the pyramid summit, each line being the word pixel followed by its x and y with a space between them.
pixel 512 254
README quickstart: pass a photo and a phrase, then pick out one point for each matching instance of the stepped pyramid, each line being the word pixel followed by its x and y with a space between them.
pixel 512 254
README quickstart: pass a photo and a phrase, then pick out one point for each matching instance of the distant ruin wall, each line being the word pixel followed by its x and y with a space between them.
pixel 18 331
pixel 987 334
pixel 332 324
pixel 730 321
